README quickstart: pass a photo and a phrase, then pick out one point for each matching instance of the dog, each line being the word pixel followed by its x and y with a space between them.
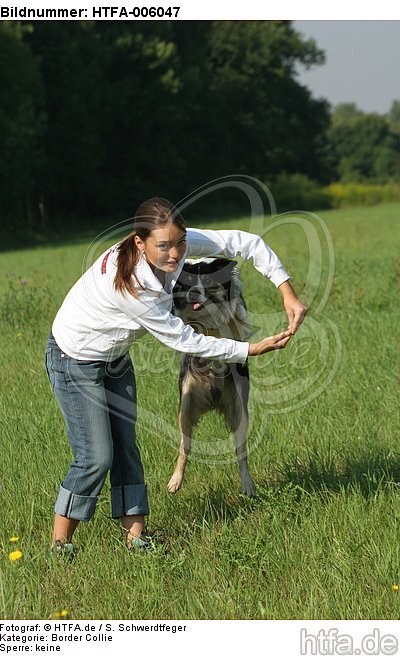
pixel 208 296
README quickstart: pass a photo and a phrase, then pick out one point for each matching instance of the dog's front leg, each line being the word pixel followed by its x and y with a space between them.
pixel 185 427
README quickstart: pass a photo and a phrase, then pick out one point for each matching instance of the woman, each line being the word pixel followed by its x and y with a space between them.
pixel 125 293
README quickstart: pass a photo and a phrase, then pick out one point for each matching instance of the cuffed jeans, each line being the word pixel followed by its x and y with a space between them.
pixel 98 402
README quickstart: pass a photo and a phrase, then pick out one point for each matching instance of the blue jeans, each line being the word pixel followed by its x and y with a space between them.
pixel 98 402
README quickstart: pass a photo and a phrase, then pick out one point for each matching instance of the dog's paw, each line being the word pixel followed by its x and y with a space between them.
pixel 175 483
pixel 248 487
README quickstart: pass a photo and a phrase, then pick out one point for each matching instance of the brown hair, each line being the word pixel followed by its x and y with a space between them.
pixel 153 213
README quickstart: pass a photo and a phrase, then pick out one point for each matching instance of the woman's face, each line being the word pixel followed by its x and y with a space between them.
pixel 164 247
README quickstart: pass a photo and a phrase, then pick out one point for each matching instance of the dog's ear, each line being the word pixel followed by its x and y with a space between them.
pixel 221 262
pixel 229 268
pixel 188 267
pixel 187 275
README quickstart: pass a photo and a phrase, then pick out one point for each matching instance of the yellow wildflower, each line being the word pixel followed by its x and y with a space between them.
pixel 395 587
pixel 14 538
pixel 60 615
pixel 15 555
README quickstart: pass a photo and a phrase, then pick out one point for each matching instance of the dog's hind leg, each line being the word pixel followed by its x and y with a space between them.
pixel 240 433
pixel 237 418
pixel 185 427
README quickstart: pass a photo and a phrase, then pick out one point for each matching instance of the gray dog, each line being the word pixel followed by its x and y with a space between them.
pixel 208 296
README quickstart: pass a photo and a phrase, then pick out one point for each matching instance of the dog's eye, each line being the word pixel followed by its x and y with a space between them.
pixel 180 292
pixel 215 288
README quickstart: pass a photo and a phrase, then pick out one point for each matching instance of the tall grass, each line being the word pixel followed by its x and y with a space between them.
pixel 321 538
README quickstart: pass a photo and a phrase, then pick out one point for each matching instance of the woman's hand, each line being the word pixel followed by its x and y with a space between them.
pixel 295 309
pixel 270 343
pixel 296 312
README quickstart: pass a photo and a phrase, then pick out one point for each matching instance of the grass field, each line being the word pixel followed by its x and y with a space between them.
pixel 321 540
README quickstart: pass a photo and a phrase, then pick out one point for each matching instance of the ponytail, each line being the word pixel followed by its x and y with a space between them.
pixel 128 257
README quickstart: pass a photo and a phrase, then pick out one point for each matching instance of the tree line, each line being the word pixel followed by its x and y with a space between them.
pixel 97 116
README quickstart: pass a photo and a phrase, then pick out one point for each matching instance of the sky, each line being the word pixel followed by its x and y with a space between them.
pixel 362 62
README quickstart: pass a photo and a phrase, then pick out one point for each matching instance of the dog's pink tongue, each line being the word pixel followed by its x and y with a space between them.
pixel 196 306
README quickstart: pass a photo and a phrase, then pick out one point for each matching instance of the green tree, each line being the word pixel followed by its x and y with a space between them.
pixel 72 72
pixel 393 117
pixel 364 149
pixel 252 114
pixel 144 115
pixel 134 109
pixel 113 130
pixel 345 114
pixel 22 122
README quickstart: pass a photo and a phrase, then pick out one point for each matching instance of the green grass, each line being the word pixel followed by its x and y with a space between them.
pixel 320 540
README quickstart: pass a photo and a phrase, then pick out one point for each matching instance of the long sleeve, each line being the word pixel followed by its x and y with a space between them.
pixel 210 243
pixel 154 316
pixel 96 322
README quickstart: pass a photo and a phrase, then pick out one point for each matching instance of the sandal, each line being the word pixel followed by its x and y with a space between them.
pixel 62 550
pixel 142 542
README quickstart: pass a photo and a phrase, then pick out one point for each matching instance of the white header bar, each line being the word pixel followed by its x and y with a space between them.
pixel 200 10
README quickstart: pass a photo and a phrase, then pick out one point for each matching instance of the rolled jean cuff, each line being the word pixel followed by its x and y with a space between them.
pixel 129 500
pixel 74 506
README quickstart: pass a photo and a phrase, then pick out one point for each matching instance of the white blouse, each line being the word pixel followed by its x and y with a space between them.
pixel 95 322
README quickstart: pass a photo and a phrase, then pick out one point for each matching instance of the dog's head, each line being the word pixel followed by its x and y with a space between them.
pixel 208 293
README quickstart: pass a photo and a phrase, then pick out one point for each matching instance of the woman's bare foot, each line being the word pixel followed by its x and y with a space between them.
pixel 64 528
pixel 133 525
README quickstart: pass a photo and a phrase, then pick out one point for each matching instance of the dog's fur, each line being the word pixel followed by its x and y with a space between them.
pixel 208 296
